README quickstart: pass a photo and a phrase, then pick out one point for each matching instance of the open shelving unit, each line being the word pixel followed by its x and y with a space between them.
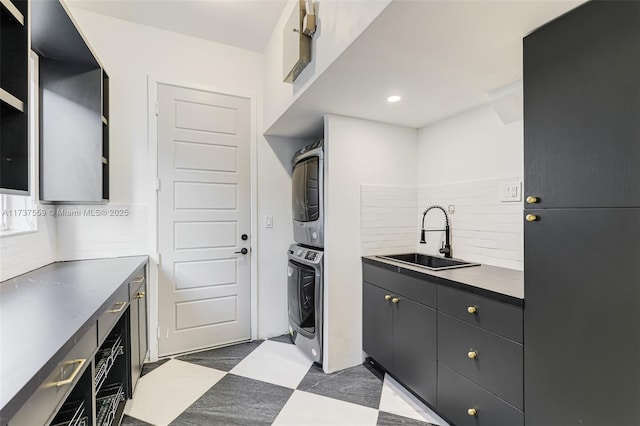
pixel 14 93
pixel 74 109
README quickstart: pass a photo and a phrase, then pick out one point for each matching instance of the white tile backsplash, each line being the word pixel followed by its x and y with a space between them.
pixel 483 228
pixel 387 216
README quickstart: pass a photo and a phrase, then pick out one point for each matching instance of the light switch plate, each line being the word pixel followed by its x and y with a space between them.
pixel 511 192
pixel 268 221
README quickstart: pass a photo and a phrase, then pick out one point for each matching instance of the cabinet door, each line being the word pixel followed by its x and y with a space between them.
pixel 414 347
pixel 582 334
pixel 581 108
pixel 142 324
pixel 136 367
pixel 377 337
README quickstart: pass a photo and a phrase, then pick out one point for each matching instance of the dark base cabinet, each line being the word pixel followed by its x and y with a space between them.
pixel 399 331
pixel 92 384
pixel 461 353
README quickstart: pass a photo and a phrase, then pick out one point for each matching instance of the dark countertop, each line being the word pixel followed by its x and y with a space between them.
pixel 500 283
pixel 44 311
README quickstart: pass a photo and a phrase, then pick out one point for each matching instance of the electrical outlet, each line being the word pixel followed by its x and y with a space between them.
pixel 510 192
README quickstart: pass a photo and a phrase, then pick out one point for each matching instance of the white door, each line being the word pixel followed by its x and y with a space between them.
pixel 203 219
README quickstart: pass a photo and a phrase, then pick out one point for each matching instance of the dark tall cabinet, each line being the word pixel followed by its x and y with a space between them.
pixel 582 233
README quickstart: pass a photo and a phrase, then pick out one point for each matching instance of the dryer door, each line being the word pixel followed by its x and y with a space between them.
pixel 301 287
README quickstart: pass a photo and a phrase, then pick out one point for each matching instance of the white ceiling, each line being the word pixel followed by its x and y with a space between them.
pixel 246 24
pixel 442 57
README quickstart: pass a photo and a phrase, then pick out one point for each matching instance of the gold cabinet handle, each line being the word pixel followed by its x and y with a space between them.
pixel 138 280
pixel 79 363
pixel 472 309
pixel 395 300
pixel 387 297
pixel 532 200
pixel 140 294
pixel 472 411
pixel 472 354
pixel 121 304
pixel 531 217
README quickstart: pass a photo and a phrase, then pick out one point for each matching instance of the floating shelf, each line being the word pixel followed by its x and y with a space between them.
pixel 11 100
pixel 13 11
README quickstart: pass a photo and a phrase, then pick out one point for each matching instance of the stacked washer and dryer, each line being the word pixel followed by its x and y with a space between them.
pixel 305 271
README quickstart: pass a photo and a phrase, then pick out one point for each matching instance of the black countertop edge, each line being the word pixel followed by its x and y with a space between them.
pixel 444 281
pixel 22 396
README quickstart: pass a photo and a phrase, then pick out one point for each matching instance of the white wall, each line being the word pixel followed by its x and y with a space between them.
pixel 473 145
pixel 25 252
pixel 340 22
pixel 358 152
pixel 462 161
pixel 274 195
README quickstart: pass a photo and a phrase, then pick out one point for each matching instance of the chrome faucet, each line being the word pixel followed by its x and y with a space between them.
pixel 446 246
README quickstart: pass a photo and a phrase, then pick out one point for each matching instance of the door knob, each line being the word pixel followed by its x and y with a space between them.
pixel 244 237
pixel 243 251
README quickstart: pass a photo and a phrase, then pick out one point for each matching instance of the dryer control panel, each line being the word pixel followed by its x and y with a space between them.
pixel 304 254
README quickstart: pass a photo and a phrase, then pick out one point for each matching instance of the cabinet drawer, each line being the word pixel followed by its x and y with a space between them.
pixel 135 284
pixel 498 362
pixel 498 317
pixel 457 395
pixel 108 319
pixel 399 284
pixel 46 399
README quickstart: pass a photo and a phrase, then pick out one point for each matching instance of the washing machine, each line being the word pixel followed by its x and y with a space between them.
pixel 305 294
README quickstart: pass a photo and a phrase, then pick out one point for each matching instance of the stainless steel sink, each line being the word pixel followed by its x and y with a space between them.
pixel 426 261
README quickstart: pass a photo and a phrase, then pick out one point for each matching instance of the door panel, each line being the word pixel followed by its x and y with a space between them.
pixel 582 340
pixel 415 347
pixel 203 208
pixel 581 108
pixel 377 325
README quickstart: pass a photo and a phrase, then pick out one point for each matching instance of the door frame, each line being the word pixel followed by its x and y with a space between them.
pixel 152 149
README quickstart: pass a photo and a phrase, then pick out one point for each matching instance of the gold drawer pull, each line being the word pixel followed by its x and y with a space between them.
pixel 472 411
pixel 138 280
pixel 79 363
pixel 115 311
pixel 531 217
pixel 395 300
pixel 387 297
pixel 472 354
pixel 531 199
pixel 140 294
pixel 472 309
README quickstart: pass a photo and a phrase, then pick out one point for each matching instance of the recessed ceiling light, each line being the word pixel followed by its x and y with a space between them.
pixel 394 98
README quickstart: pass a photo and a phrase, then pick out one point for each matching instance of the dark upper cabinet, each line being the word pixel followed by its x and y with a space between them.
pixel 74 110
pixel 582 108
pixel 14 97
pixel 582 334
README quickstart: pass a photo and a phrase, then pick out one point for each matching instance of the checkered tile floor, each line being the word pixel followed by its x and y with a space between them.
pixel 268 382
